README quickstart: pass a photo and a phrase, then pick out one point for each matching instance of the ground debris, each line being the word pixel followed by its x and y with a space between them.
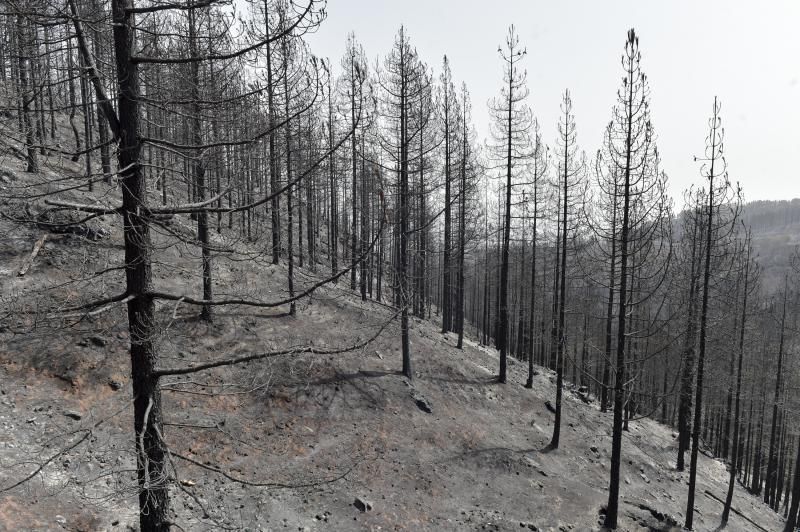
pixel 661 516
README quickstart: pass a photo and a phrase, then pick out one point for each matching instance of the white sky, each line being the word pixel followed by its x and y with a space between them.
pixel 745 52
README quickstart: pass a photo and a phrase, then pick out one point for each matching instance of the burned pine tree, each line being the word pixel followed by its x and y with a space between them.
pixel 571 184
pixel 541 161
pixel 748 281
pixel 643 217
pixel 352 87
pixel 771 480
pixel 423 163
pixel 403 82
pixel 603 221
pixel 719 209
pixel 692 241
pixel 468 173
pixel 510 129
pixel 449 123
pixel 27 92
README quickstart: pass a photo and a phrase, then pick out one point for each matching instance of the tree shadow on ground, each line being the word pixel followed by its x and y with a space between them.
pixel 463 379
pixel 491 451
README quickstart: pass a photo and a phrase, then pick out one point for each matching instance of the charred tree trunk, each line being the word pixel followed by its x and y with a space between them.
pixel 769 485
pixel 273 155
pixel 709 229
pixel 333 232
pixel 26 95
pixel 462 215
pixel 687 368
pixel 151 449
pixel 199 170
pixel 737 394
pixel 792 518
pixel 447 299
pixel 604 395
pixel 531 318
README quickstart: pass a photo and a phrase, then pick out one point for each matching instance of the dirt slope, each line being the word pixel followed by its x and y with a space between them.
pixel 319 430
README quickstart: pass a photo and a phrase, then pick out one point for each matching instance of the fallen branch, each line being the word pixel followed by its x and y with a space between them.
pixel 246 482
pixel 83 207
pixel 87 432
pixel 189 207
pixel 100 310
pixel 95 304
pixel 47 462
pixel 36 248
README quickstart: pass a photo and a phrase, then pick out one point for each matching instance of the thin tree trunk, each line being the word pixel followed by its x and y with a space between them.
pixel 529 382
pixel 446 303
pixel 612 509
pixel 604 395
pixel 792 519
pixel 273 156
pixel 353 227
pixel 102 125
pixel 26 95
pixel 333 233
pixel 289 190
pixel 462 230
pixel 403 229
pixel 736 422
pixel 697 425
pixel 72 105
pixel 688 359
pixel 771 461
pixel 199 171
pixel 502 322
pixel 562 291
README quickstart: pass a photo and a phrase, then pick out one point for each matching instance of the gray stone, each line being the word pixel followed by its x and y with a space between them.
pixel 362 504
pixel 99 341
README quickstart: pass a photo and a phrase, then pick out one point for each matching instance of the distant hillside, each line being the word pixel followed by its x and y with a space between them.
pixel 768 216
pixel 776 236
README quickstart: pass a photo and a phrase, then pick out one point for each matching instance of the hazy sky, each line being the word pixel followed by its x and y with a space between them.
pixel 745 52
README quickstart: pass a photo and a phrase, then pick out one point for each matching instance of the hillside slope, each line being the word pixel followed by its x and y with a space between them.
pixel 318 430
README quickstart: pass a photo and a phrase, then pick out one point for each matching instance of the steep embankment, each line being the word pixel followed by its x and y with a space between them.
pixel 318 430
